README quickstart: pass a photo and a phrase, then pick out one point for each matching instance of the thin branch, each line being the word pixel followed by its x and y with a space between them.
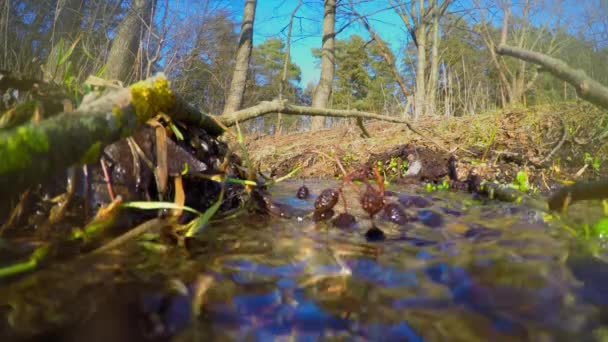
pixel 586 87
pixel 286 108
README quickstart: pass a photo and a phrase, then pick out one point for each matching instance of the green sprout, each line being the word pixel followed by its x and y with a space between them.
pixel 594 162
pixel 521 182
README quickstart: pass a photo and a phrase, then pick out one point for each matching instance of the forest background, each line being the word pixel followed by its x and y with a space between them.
pixel 400 58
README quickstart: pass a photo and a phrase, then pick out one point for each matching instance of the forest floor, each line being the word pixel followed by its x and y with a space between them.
pixel 553 144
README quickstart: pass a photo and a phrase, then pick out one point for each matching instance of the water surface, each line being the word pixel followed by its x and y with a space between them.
pixel 465 271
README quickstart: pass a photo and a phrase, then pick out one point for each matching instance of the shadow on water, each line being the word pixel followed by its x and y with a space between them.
pixel 454 270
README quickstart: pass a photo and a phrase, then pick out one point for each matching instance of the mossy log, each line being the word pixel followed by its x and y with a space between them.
pixel 35 152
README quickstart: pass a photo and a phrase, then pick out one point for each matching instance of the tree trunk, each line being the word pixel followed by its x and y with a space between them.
pixel 322 93
pixel 432 93
pixel 286 62
pixel 420 64
pixel 65 29
pixel 243 55
pixel 126 44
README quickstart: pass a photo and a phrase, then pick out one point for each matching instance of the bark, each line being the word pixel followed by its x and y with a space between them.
pixel 432 93
pixel 586 87
pixel 420 104
pixel 243 56
pixel 65 30
pixel 322 93
pixel 125 46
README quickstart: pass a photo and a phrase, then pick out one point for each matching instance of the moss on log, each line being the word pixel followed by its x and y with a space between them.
pixel 35 152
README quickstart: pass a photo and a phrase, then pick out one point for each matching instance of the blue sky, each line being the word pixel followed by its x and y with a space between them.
pixel 272 16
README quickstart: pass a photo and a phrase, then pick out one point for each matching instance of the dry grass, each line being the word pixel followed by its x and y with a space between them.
pixel 527 133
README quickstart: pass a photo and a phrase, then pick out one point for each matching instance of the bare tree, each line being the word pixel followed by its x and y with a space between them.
pixel 243 56
pixel 438 11
pixel 125 46
pixel 322 93
pixel 417 19
pixel 515 80
pixel 286 61
pixel 387 55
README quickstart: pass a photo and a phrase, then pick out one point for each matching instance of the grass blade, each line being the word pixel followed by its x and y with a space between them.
pixel 143 205
pixel 198 224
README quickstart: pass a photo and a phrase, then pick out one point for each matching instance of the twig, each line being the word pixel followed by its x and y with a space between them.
pixel 559 144
pixel 131 234
pixel 335 159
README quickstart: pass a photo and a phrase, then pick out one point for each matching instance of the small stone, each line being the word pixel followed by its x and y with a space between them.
pixel 480 233
pixel 322 215
pixel 344 221
pixel 389 193
pixel 374 234
pixel 303 192
pixel 414 201
pixel 451 211
pixel 394 213
pixel 430 218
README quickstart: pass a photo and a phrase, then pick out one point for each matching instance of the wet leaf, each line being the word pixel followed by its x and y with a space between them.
pixel 143 205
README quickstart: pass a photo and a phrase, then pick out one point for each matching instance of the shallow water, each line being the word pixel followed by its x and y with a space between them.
pixel 465 271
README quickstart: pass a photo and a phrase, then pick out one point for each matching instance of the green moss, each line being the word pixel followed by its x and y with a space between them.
pixel 17 147
pixel 92 154
pixel 151 97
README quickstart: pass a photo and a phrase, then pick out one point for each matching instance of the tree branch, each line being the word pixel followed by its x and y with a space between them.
pixel 586 87
pixel 286 108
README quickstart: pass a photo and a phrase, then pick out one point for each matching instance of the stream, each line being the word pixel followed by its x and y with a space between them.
pixel 465 270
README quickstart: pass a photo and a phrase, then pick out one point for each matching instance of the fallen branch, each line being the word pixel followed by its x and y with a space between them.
pixel 275 106
pixel 559 144
pixel 560 200
pixel 586 87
